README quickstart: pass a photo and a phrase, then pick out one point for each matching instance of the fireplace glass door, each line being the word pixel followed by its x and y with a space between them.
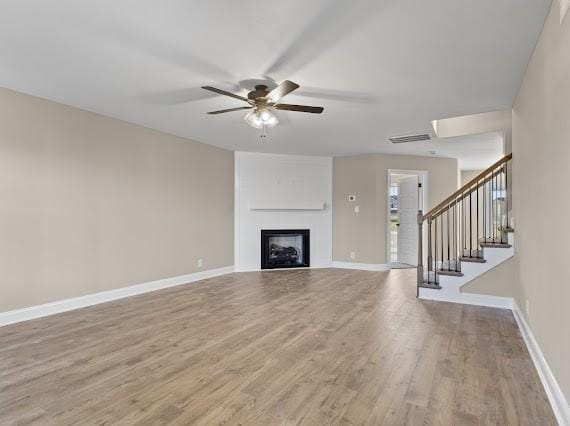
pixel 287 248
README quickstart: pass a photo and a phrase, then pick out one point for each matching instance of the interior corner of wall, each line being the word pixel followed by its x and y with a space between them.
pixel 564 6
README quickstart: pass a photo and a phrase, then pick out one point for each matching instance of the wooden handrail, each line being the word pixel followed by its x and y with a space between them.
pixel 460 197
pixel 467 186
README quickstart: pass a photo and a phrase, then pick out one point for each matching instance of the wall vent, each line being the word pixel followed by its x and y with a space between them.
pixel 410 138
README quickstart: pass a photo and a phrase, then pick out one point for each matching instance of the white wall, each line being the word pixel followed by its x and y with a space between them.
pixel 281 179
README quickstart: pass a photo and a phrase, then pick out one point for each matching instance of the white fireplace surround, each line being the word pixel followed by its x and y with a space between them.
pixel 282 192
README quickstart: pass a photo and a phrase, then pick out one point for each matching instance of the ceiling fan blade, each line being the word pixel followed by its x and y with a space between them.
pixel 283 89
pixel 338 95
pixel 223 92
pixel 300 108
pixel 229 110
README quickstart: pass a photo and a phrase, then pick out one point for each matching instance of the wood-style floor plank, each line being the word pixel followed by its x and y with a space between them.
pixel 310 347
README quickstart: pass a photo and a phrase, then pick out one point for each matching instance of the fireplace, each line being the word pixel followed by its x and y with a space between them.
pixel 285 248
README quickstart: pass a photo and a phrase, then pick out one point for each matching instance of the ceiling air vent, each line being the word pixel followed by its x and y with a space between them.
pixel 410 138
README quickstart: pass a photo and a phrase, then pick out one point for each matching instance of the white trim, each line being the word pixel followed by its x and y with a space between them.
pixel 331 215
pixel 362 266
pixel 471 299
pixel 423 177
pixel 553 392
pixel 65 305
pixel 237 201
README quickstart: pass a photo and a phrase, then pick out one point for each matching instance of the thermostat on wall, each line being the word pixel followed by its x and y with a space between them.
pixel 352 198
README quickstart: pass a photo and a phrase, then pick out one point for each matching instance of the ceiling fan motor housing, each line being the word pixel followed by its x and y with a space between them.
pixel 260 91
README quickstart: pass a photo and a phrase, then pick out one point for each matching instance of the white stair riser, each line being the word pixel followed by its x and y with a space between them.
pixel 451 286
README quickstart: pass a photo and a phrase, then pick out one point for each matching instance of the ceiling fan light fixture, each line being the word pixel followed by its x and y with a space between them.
pixel 271 120
pixel 265 115
pixel 261 118
pixel 253 119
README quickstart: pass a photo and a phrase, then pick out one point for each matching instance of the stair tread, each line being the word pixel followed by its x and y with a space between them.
pixel 472 259
pixel 449 273
pixel 430 285
pixel 495 245
pixel 492 240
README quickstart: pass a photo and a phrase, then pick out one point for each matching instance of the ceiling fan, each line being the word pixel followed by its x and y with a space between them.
pixel 263 102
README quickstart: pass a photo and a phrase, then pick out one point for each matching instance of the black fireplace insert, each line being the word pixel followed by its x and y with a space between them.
pixel 285 248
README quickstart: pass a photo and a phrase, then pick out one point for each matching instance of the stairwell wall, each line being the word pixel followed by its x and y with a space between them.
pixel 500 281
pixel 541 152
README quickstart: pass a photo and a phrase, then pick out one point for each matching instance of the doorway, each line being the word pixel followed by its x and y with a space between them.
pixel 407 193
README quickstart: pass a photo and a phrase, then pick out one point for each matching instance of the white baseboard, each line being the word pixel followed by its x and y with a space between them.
pixel 470 299
pixel 362 266
pixel 65 305
pixel 554 393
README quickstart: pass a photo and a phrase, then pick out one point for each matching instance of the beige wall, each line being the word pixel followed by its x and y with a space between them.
pixel 90 203
pixel 499 281
pixel 467 175
pixel 541 155
pixel 366 177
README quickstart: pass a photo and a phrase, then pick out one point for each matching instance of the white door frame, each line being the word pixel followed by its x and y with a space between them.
pixel 423 178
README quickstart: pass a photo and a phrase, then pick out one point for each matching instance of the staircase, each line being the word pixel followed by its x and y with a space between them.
pixel 466 235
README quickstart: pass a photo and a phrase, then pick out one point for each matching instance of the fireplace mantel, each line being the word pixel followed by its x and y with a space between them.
pixel 286 205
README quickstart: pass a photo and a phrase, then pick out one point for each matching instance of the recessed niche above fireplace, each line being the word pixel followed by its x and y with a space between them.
pixel 285 248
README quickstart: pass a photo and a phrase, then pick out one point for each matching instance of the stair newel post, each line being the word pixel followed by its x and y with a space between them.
pixel 484 209
pixel 448 233
pixel 435 250
pixel 429 248
pixel 457 235
pixel 420 270
pixel 507 192
pixel 503 200
pixel 477 217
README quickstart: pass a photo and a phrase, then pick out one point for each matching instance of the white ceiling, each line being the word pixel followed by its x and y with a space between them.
pixel 379 68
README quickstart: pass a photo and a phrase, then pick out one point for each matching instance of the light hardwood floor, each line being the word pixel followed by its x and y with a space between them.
pixel 296 347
